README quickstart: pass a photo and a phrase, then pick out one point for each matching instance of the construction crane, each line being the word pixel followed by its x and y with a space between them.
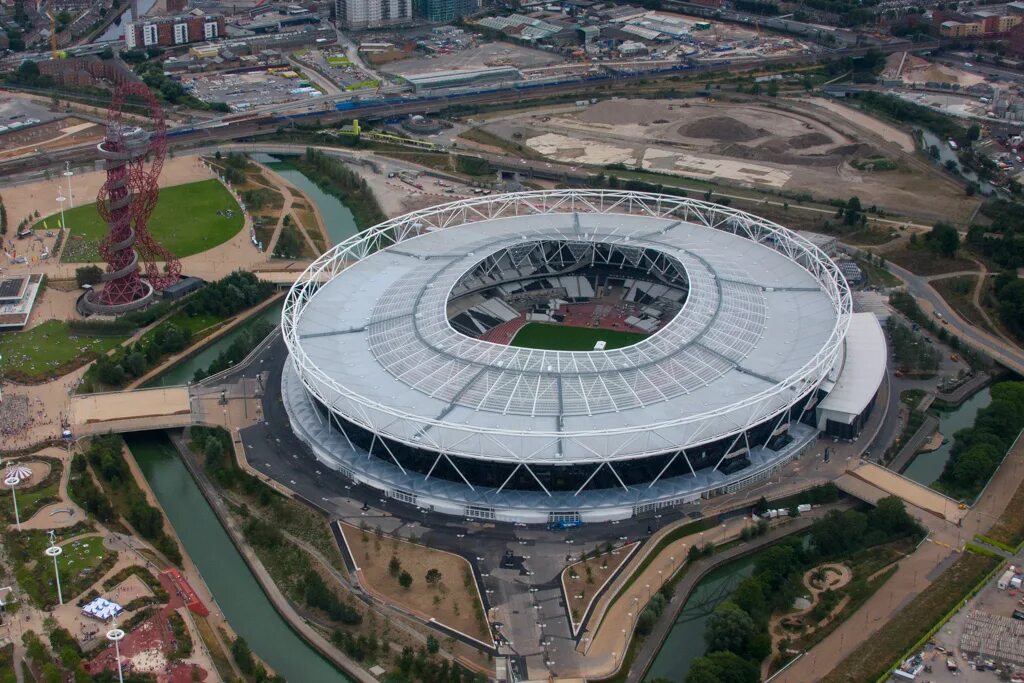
pixel 54 52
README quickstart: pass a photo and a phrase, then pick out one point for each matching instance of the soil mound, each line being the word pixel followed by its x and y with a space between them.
pixel 809 140
pixel 724 128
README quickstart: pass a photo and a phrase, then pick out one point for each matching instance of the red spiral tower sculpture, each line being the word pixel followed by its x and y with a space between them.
pixel 126 202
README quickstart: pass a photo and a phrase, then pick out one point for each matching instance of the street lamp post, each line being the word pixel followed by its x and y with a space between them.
pixel 67 174
pixel 116 635
pixel 60 200
pixel 54 551
pixel 13 481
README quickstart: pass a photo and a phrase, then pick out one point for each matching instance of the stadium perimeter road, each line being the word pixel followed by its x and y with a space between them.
pixel 526 598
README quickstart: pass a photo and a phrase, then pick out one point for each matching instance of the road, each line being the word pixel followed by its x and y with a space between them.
pixel 932 302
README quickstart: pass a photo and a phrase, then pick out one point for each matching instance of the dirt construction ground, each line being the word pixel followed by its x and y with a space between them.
pixel 788 145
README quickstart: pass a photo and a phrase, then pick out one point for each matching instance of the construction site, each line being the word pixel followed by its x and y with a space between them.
pixel 813 146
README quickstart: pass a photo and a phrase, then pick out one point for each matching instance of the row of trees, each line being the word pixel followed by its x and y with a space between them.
pixel 334 177
pixel 106 455
pixel 737 633
pixel 238 350
pixel 911 352
pixel 978 450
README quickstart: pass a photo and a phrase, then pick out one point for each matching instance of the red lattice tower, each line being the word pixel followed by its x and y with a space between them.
pixel 126 202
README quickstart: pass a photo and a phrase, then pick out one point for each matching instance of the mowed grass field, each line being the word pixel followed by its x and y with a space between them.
pixel 563 338
pixel 48 350
pixel 186 221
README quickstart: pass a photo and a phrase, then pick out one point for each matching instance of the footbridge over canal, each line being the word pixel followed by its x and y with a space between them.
pixel 871 482
pixel 140 410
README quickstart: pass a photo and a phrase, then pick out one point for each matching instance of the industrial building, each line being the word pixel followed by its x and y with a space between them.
pixel 415 388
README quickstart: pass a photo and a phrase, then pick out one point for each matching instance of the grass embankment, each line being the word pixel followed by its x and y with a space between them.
pixel 1008 531
pixel 921 260
pixel 877 274
pixel 204 225
pixel 49 350
pixel 958 292
pixel 915 622
pixel 565 338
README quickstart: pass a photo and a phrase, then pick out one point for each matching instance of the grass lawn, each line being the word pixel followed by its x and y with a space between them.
pixel 195 323
pixel 48 350
pixel 922 261
pixel 882 650
pixel 83 562
pixel 185 221
pixel 454 601
pixel 564 338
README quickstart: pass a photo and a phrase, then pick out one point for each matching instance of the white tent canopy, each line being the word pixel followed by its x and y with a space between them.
pixel 102 609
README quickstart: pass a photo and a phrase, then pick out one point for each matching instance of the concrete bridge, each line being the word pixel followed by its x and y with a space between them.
pixel 140 410
pixel 871 482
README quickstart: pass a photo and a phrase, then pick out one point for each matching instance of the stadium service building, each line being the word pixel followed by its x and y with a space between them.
pixel 754 351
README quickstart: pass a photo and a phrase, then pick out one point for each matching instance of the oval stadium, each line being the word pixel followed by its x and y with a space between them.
pixel 566 356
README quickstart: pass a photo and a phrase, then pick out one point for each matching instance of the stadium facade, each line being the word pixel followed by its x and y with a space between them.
pixel 398 375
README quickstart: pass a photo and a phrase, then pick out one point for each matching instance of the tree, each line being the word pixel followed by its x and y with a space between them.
pixel 943 239
pixel 242 655
pixel 433 577
pixel 405 579
pixel 88 275
pixel 3 218
pixel 722 667
pixel 432 645
pixel 973 133
pixel 730 628
pixel 761 506
pixel 394 566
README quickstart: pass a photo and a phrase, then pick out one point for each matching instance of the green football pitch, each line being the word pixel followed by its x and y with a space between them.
pixel 564 338
pixel 185 221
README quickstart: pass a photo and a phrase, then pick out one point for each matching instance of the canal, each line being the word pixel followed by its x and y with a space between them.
pixel 233 586
pixel 685 642
pixel 339 220
pixel 183 372
pixel 925 468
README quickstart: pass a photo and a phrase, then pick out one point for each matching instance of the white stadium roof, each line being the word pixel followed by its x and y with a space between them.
pixel 863 368
pixel 762 325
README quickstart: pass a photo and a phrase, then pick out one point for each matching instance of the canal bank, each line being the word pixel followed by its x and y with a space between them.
pixel 676 640
pixel 337 218
pixel 180 369
pixel 925 468
pixel 252 604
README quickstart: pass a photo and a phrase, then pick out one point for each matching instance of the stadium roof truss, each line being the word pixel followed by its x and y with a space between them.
pixel 557 407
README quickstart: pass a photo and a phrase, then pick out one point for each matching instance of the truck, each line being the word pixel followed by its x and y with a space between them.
pixel 1004 580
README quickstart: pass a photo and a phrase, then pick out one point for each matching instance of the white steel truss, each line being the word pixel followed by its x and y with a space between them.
pixel 467 372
